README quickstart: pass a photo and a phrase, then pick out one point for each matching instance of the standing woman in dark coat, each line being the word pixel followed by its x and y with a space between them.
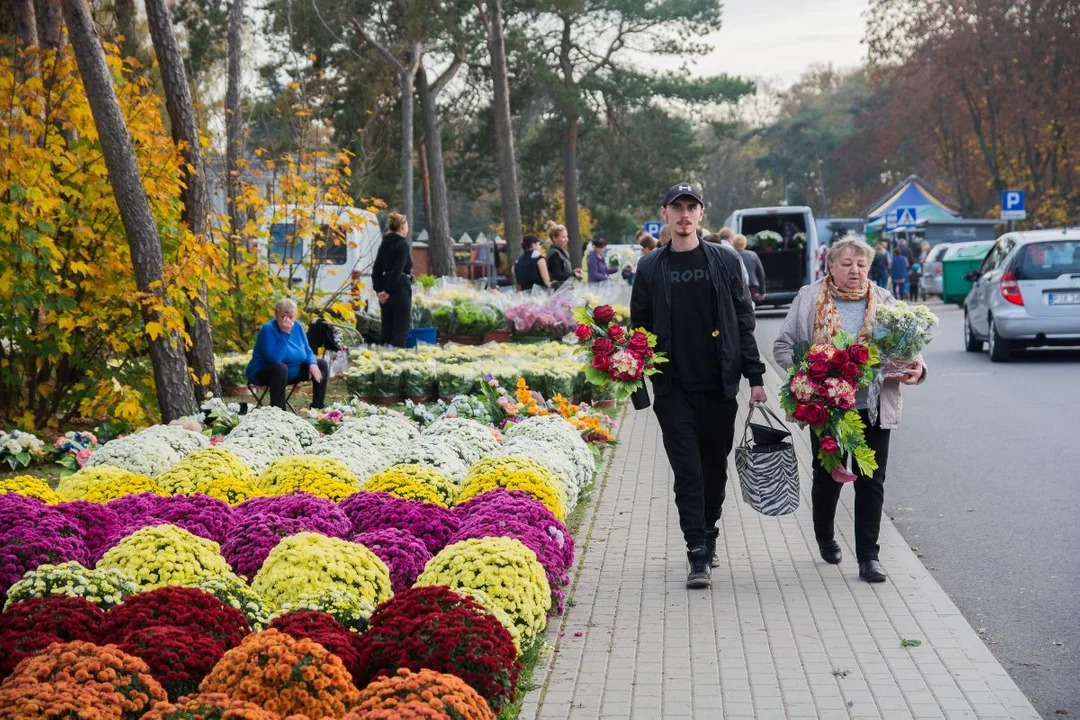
pixel 392 279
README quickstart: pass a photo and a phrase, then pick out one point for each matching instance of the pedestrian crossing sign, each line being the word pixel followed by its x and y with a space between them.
pixel 905 217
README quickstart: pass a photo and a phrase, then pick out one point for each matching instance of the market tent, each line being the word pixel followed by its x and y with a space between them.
pixel 912 192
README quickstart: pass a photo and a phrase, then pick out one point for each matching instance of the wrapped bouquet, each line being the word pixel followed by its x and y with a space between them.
pixel 619 359
pixel 820 391
pixel 900 332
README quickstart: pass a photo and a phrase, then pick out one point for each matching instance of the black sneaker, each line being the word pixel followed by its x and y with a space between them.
pixel 714 561
pixel 699 575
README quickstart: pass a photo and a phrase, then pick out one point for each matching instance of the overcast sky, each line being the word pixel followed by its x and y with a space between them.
pixel 778 39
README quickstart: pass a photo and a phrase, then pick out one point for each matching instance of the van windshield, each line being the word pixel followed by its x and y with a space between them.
pixel 1048 260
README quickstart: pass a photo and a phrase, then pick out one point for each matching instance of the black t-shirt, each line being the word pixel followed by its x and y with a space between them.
pixel 695 366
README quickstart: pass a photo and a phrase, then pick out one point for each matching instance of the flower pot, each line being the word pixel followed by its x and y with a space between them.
pixel 500 335
pixel 446 398
pixel 234 391
pixel 605 404
pixel 462 339
pixel 418 399
pixel 385 399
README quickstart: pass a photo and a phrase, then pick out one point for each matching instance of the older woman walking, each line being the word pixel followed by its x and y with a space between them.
pixel 845 300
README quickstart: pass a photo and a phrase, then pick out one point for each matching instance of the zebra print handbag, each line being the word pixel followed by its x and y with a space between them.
pixel 768 471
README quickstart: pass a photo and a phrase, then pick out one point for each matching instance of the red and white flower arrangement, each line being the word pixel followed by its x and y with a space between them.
pixel 619 360
pixel 820 391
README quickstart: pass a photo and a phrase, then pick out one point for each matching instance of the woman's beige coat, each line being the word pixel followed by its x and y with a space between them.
pixel 799 327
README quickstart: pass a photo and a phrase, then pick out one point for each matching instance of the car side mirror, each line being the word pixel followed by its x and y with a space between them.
pixel 973 275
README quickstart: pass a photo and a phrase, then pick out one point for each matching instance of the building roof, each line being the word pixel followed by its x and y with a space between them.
pixel 912 192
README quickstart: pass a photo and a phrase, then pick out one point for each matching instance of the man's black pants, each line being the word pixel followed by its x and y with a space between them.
pixel 396 316
pixel 276 377
pixel 869 494
pixel 699 429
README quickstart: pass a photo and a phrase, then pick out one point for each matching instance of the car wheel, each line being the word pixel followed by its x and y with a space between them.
pixel 971 343
pixel 999 346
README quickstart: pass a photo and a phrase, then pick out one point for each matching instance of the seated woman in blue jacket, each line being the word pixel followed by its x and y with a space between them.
pixel 282 356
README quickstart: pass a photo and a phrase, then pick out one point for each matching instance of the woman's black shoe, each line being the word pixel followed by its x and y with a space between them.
pixel 830 552
pixel 871 571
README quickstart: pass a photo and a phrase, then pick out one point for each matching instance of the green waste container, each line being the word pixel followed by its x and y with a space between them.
pixel 959 261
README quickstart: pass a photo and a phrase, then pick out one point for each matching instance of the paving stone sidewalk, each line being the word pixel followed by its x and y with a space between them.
pixel 780 634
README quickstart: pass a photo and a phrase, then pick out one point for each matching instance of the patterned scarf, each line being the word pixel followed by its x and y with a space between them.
pixel 827 323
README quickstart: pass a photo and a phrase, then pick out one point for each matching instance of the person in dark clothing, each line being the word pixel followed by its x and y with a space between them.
pixel 879 268
pixel 754 269
pixel 531 268
pixel 560 269
pixel 283 356
pixel 900 270
pixel 392 278
pixel 691 295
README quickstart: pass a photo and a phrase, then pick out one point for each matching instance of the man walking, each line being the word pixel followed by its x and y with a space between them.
pixel 691 294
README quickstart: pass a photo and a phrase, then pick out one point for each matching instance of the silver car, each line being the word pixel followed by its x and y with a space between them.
pixel 931 269
pixel 1026 294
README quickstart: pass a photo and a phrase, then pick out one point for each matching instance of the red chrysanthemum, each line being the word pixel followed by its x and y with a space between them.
pixel 323 629
pixel 437 629
pixel 177 607
pixel 178 657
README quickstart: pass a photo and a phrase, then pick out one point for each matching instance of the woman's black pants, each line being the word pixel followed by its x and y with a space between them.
pixel 869 494
pixel 276 377
pixel 396 316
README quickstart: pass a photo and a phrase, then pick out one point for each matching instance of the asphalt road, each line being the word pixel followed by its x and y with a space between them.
pixel 984 480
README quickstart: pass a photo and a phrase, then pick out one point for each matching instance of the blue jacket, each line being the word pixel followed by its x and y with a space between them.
pixel 899 267
pixel 273 346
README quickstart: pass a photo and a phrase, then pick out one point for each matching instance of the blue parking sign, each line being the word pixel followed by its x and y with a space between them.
pixel 1012 205
pixel 653 228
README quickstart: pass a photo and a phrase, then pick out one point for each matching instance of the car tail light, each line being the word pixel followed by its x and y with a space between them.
pixel 1010 288
pixel 938 271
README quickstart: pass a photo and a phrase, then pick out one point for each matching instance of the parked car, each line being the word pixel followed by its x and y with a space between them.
pixel 931 271
pixel 1026 294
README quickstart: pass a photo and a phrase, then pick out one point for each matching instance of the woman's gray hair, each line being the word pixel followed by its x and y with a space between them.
pixel 849 243
pixel 285 305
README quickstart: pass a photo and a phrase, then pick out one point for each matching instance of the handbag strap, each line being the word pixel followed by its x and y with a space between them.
pixel 767 412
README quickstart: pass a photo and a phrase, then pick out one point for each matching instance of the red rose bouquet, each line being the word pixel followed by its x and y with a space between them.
pixel 820 391
pixel 619 360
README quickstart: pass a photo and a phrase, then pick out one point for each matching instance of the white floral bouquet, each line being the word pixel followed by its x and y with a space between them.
pixel 477 439
pixel 901 331
pixel 434 452
pixel 222 416
pixel 273 424
pixel 141 454
pixel 20 449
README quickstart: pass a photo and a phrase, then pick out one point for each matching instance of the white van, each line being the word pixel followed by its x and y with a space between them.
pixel 792 263
pixel 350 239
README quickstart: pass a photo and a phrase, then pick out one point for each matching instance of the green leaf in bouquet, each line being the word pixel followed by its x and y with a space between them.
pixel 596 377
pixel 23 458
pixel 802 348
pixel 842 340
pixel 866 459
pixel 787 403
pixel 875 355
pixel 849 429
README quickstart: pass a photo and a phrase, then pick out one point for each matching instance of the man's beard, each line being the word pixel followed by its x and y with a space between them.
pixel 686 231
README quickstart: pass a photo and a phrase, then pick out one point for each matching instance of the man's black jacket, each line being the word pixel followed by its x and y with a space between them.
pixel 736 348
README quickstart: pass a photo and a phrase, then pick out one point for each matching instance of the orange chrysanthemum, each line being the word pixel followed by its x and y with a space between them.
pixel 209 706
pixel 97 669
pixel 440 691
pixel 284 675
pixel 67 700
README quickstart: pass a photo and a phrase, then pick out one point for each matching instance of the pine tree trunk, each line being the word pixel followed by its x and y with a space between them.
pixel 195 196
pixel 174 392
pixel 50 24
pixel 26 26
pixel 408 89
pixel 125 23
pixel 573 226
pixel 233 143
pixel 504 131
pixel 440 243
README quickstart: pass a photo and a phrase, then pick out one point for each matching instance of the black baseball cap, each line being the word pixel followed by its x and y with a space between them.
pixel 683 189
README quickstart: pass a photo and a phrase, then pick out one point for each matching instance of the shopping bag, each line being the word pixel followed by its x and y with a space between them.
pixel 339 362
pixel 768 470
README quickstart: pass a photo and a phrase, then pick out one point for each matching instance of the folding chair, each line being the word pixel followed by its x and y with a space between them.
pixel 259 392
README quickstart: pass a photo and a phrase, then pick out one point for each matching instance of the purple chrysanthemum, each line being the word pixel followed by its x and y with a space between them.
pixel 431 524
pixel 318 514
pixel 252 538
pixel 98 523
pixel 404 554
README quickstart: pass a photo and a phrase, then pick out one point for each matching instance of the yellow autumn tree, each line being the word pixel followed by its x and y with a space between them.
pixel 72 338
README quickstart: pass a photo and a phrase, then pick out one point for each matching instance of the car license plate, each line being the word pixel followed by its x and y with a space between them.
pixel 1063 298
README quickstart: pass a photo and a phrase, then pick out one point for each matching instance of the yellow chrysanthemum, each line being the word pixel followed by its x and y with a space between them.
pixel 323 476
pixel 108 490
pixel 201 467
pixel 514 472
pixel 414 482
pixel 30 486
pixel 229 489
pixel 76 485
pixel 160 555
